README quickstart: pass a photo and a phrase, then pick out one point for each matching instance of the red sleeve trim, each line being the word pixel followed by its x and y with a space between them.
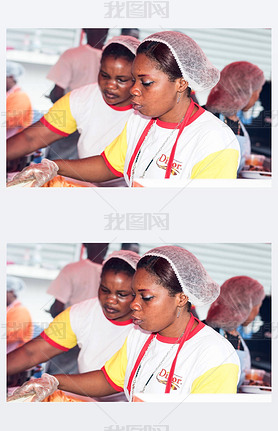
pixel 116 387
pixel 115 172
pixel 52 128
pixel 49 341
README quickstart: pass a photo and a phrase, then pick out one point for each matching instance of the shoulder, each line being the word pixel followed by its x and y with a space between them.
pixel 213 343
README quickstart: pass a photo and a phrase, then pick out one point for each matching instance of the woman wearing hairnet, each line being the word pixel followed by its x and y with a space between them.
pixel 238 304
pixel 168 136
pixel 168 350
pixel 238 89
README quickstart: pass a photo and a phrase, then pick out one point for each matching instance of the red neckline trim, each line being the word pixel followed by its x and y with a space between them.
pixel 166 125
pixel 118 108
pixel 173 340
pixel 123 323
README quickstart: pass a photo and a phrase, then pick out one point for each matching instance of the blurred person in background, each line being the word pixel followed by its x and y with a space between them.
pixel 78 281
pixel 238 89
pixel 238 304
pixel 19 112
pixel 98 325
pixel 19 321
pixel 78 66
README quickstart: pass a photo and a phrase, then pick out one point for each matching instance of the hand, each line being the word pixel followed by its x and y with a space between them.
pixel 38 174
pixel 41 387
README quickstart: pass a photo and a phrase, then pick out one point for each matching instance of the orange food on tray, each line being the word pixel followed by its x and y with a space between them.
pixel 60 181
pixel 61 397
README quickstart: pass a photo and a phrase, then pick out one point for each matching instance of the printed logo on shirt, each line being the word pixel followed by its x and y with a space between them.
pixel 162 377
pixel 162 163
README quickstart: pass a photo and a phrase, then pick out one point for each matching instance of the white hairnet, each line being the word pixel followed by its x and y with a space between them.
pixel 127 255
pixel 192 276
pixel 129 42
pixel 237 83
pixel 195 67
pixel 14 284
pixel 14 69
pixel 238 295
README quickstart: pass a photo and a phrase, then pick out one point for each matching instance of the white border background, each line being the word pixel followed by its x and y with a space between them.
pixel 208 215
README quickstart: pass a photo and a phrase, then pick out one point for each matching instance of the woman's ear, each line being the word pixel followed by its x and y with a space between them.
pixel 182 299
pixel 182 85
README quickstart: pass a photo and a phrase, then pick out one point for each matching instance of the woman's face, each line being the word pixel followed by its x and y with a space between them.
pixel 153 94
pixel 253 99
pixel 115 80
pixel 115 295
pixel 152 308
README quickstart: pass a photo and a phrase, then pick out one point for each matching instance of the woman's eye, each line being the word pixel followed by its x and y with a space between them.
pixel 123 295
pixel 104 290
pixel 147 298
pixel 147 84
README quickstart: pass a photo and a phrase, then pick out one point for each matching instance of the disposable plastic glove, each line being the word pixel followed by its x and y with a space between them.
pixel 38 174
pixel 41 388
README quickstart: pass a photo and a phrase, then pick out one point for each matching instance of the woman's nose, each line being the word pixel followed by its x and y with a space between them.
pixel 111 83
pixel 135 305
pixel 135 91
pixel 111 299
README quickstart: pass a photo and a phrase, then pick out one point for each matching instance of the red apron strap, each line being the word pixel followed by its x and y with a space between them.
pixel 183 124
pixel 138 146
pixel 137 363
pixel 183 340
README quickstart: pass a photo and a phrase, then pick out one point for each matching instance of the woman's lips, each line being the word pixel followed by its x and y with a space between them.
pixel 110 95
pixel 136 106
pixel 110 310
pixel 136 321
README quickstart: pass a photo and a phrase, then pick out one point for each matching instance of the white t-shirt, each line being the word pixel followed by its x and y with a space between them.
pixel 76 67
pixel 76 282
pixel 85 325
pixel 207 363
pixel 85 110
pixel 207 148
pixel 97 122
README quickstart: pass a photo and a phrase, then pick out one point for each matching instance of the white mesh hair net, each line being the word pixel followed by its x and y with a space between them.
pixel 14 69
pixel 238 295
pixel 192 276
pixel 237 83
pixel 194 65
pixel 14 284
pixel 127 255
pixel 129 42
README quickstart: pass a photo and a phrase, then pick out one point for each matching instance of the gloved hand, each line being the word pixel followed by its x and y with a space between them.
pixel 38 173
pixel 42 387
